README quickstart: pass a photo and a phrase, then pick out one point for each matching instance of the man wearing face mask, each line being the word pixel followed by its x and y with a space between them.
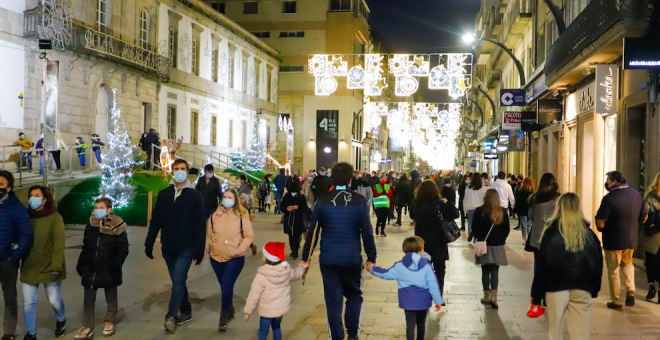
pixel 321 183
pixel 211 189
pixel 179 217
pixel 26 144
pixel 16 239
pixel 621 213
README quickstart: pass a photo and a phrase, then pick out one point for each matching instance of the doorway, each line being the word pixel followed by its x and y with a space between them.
pixel 586 170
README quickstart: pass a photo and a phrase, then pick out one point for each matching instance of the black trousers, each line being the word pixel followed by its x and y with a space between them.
pixel 294 243
pixel 381 221
pixel 651 270
pixel 415 319
pixel 89 301
pixel 341 282
pixel 398 214
pixel 440 268
pixel 463 218
pixel 8 276
pixel 490 276
pixel 56 158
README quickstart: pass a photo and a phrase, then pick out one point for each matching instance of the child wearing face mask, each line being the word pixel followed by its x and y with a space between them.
pixel 80 150
pixel 105 247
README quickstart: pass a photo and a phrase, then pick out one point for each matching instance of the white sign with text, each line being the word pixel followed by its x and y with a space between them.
pixel 607 88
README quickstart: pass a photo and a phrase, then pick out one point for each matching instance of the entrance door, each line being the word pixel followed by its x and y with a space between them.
pixel 102 114
pixel 587 181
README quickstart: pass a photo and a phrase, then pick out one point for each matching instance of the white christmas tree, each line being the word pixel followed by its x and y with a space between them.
pixel 237 160
pixel 256 154
pixel 118 162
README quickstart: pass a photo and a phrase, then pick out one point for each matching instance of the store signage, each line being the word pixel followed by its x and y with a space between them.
pixel 490 156
pixel 641 54
pixel 327 126
pixel 512 97
pixel 549 111
pixel 469 134
pixel 535 89
pixel 489 144
pixel 607 88
pixel 473 163
pixel 529 121
pixel 517 141
pixel 511 120
pixel 585 98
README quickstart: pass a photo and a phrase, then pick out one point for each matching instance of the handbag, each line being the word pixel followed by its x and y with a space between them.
pixel 480 247
pixel 449 228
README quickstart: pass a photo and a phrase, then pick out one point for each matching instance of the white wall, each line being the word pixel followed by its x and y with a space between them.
pixel 12 82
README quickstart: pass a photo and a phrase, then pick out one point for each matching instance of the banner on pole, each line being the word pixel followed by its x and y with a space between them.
pixel 51 79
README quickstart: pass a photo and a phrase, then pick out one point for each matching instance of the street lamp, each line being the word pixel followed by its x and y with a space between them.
pixel 469 38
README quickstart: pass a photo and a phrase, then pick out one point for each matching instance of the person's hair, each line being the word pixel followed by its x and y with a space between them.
pixel 152 130
pixel 427 190
pixel 208 167
pixel 616 176
pixel 492 207
pixel 46 192
pixel 238 208
pixel 568 216
pixel 520 177
pixel 547 183
pixel 243 177
pixel 446 180
pixel 9 177
pixel 528 184
pixel 104 200
pixel 463 178
pixel 269 262
pixel 413 244
pixel 501 175
pixel 293 185
pixel 655 185
pixel 484 175
pixel 281 171
pixel 79 138
pixel 403 178
pixel 342 173
pixel 21 134
pixel 180 161
pixel 390 177
pixel 475 183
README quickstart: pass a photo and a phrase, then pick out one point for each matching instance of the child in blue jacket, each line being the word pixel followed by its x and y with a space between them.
pixel 418 285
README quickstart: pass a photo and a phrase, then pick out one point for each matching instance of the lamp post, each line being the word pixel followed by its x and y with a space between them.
pixel 521 71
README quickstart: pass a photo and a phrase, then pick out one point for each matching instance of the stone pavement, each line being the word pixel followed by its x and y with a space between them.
pixel 144 296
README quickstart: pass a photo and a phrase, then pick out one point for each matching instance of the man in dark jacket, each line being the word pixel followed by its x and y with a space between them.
pixel 211 190
pixel 447 191
pixel 343 218
pixel 321 183
pixel 150 140
pixel 179 216
pixel 279 182
pixel 621 213
pixel 15 242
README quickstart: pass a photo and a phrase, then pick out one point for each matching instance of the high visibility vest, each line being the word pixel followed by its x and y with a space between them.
pixel 382 201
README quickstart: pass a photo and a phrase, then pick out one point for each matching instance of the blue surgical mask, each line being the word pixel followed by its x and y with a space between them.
pixel 35 202
pixel 322 173
pixel 310 179
pixel 227 202
pixel 180 176
pixel 100 213
pixel 209 175
pixel 467 181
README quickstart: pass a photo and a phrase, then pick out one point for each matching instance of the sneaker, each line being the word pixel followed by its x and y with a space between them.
pixel 183 319
pixel 630 300
pixel 254 249
pixel 170 324
pixel 84 333
pixel 612 305
pixel 9 337
pixel 60 328
pixel 30 337
pixel 383 235
pixel 108 329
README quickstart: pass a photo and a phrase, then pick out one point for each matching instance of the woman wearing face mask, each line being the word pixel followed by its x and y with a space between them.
pixel 105 247
pixel 45 264
pixel 307 190
pixel 474 198
pixel 296 215
pixel 229 234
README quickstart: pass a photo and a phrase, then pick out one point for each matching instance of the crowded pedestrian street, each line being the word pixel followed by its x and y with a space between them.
pixel 146 290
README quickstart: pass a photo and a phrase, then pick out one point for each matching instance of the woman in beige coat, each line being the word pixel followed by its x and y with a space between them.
pixel 229 234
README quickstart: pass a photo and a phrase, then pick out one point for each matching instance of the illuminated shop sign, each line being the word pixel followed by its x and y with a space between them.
pixel 607 88
pixel 640 54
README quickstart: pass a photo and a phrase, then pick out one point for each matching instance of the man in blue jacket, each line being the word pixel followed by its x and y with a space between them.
pixel 279 182
pixel 179 216
pixel 343 217
pixel 15 242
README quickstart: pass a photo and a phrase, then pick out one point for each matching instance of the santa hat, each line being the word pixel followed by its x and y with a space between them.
pixel 274 252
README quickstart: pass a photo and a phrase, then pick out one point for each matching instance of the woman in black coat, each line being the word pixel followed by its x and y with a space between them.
pixel 465 180
pixel 296 214
pixel 403 194
pixel 426 209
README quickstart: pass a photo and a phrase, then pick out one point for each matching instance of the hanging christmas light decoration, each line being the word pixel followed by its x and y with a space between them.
pixel 406 68
pixel 371 78
pixel 326 68
pixel 456 76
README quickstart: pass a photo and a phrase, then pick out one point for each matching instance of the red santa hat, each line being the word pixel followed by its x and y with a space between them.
pixel 274 252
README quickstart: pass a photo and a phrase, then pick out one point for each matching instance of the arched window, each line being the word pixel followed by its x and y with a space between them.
pixel 144 30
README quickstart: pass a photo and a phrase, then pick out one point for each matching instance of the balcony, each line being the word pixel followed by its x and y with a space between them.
pixel 517 21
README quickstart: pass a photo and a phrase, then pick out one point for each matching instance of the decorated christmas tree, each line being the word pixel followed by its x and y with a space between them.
pixel 117 168
pixel 256 153
pixel 237 160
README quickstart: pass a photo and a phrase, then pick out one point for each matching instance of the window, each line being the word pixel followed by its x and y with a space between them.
pixel 218 6
pixel 269 79
pixel 144 30
pixel 103 15
pixel 288 7
pixel 230 134
pixel 257 81
pixel 194 126
pixel 195 54
pixel 171 123
pixel 173 45
pixel 250 7
pixel 244 135
pixel 214 65
pixel 292 68
pixel 340 5
pixel 214 130
pixel 265 34
pixel 244 69
pixel 292 34
pixel 230 72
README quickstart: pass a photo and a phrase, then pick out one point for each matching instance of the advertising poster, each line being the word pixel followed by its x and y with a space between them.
pixel 516 140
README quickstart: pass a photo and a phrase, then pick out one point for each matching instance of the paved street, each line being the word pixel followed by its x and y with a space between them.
pixel 143 298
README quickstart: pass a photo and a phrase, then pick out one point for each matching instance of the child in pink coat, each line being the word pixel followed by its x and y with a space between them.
pixel 271 290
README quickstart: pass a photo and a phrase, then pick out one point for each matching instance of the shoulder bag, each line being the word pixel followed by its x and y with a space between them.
pixel 480 247
pixel 449 228
pixel 241 219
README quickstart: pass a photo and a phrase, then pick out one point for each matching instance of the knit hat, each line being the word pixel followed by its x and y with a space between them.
pixel 245 196
pixel 274 252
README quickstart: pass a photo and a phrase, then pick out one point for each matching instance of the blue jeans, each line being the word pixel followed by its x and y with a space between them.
pixel 525 225
pixel 29 159
pixel 98 155
pixel 470 216
pixel 41 163
pixel 227 274
pixel 53 291
pixel 264 326
pixel 178 265
pixel 82 160
pixel 279 200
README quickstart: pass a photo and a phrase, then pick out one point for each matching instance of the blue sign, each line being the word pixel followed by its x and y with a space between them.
pixel 489 144
pixel 512 97
pixel 473 163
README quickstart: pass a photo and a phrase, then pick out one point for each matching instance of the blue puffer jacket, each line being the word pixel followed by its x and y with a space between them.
pixel 417 282
pixel 14 229
pixel 343 217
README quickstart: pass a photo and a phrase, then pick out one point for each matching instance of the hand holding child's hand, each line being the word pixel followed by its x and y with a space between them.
pixel 368 266
pixel 247 317
pixel 437 308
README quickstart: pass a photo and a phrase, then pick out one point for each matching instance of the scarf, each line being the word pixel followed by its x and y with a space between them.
pixel 46 211
pixel 619 186
pixel 110 225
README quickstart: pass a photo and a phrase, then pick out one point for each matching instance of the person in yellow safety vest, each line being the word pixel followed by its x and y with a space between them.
pixel 80 149
pixel 382 200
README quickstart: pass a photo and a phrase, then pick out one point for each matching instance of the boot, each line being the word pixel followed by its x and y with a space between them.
pixel 231 314
pixel 651 295
pixel 222 325
pixel 493 299
pixel 486 299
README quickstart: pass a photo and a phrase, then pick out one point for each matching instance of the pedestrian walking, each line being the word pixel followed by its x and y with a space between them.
pixel 491 225
pixel 16 238
pixel 485 179
pixel 307 191
pixel 80 151
pixel 271 290
pixel 504 190
pixel 344 217
pixel 403 197
pixel 45 263
pixel 650 238
pixel 279 182
pixel 360 185
pixel 104 250
pixel 540 209
pixel 228 237
pixel 392 182
pixel 568 270
pixel 296 215
pixel 211 190
pixel 143 142
pixel 382 202
pixel 321 183
pixel 447 191
pixel 263 192
pixel 417 286
pixel 474 198
pixel 179 217
pixel 465 181
pixel 622 211
pixel 149 145
pixel 96 147
pixel 427 209
pixel 522 206
pixel 26 144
